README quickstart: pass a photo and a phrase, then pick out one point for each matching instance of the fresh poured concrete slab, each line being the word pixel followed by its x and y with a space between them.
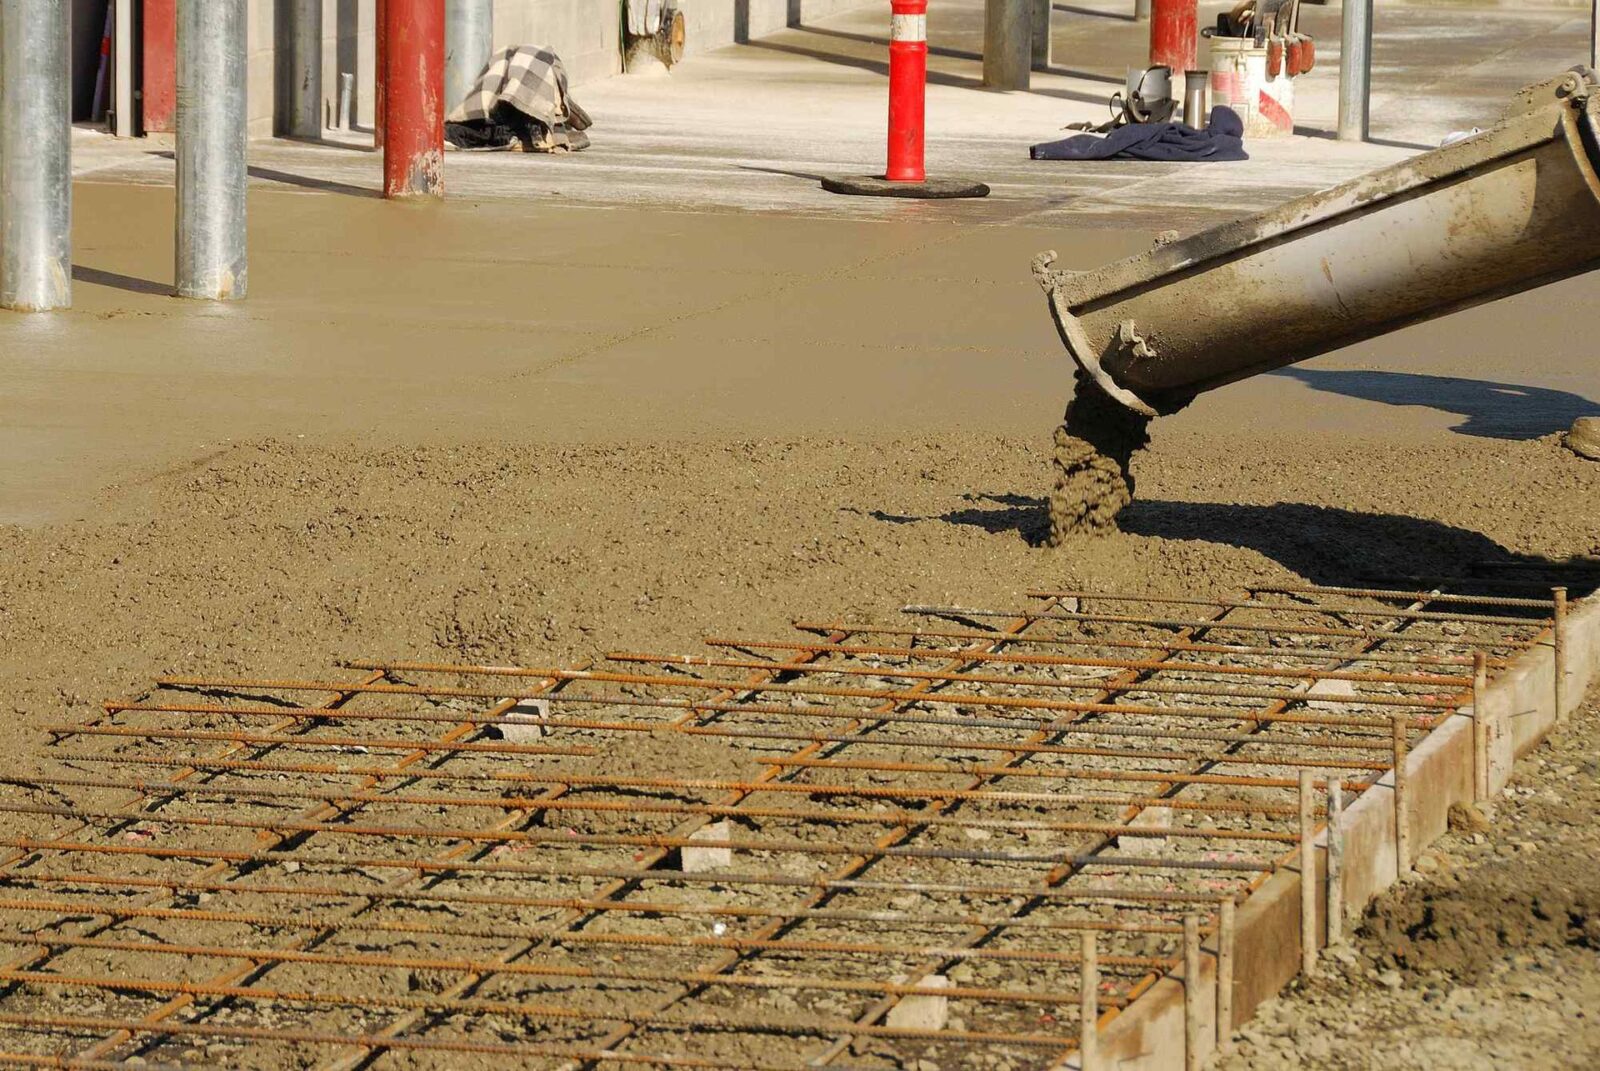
pixel 687 278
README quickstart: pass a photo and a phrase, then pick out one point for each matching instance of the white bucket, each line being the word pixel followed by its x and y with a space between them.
pixel 1239 80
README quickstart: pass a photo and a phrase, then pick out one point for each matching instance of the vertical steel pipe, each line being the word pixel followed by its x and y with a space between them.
pixel 1089 1003
pixel 412 37
pixel 35 156
pixel 1141 10
pixel 1043 58
pixel 1227 929
pixel 1594 34
pixel 1355 71
pixel 302 69
pixel 468 41
pixel 1175 35
pixel 1335 862
pixel 1007 43
pixel 211 257
pixel 1193 1051
pixel 1308 876
pixel 908 83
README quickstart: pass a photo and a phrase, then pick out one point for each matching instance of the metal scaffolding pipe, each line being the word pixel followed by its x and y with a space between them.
pixel 413 98
pixel 302 69
pixel 1007 43
pixel 211 257
pixel 468 40
pixel 35 156
pixel 1355 71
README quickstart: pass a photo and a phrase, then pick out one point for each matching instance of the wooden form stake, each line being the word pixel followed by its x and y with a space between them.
pixel 1308 875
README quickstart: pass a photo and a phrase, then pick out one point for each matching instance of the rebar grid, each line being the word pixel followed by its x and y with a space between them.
pixel 563 867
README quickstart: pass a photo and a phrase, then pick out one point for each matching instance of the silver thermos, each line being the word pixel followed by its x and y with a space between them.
pixel 1195 112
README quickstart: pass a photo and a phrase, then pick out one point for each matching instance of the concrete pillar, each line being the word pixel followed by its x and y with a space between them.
pixel 1042 58
pixel 468 41
pixel 413 98
pixel 1355 71
pixel 212 136
pixel 300 67
pixel 35 155
pixel 1007 43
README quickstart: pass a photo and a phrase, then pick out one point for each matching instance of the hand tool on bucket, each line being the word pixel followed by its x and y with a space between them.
pixel 1510 209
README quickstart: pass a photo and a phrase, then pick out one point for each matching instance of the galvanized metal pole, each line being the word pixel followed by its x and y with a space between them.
pixel 304 70
pixel 1355 71
pixel 1042 57
pixel 1141 10
pixel 1594 35
pixel 412 36
pixel 1007 43
pixel 468 41
pixel 35 155
pixel 211 260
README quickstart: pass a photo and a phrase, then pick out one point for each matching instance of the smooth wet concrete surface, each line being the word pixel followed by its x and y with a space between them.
pixel 686 279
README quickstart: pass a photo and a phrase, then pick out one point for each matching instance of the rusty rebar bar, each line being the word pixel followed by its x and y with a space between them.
pixel 1085 661
pixel 600 840
pixel 1154 644
pixel 818 815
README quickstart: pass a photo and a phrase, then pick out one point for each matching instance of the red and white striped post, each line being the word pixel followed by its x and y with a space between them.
pixel 905 174
pixel 908 83
pixel 413 98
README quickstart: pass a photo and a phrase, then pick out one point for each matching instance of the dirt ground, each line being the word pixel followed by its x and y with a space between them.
pixel 1488 957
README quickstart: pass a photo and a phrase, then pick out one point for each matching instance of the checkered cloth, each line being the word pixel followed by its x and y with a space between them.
pixel 529 79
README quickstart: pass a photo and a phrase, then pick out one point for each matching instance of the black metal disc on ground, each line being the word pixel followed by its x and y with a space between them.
pixel 928 189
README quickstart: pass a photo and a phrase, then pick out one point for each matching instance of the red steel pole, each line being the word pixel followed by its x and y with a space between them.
pixel 1175 36
pixel 908 77
pixel 413 98
pixel 377 77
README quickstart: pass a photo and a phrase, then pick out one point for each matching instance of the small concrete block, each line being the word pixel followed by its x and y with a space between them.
pixel 921 1012
pixel 700 860
pixel 1150 816
pixel 1333 690
pixel 522 723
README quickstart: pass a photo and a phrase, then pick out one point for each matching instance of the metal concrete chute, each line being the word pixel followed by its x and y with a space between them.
pixel 1512 208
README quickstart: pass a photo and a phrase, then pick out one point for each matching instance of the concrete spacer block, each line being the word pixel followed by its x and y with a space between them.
pixel 523 723
pixel 700 860
pixel 1333 690
pixel 921 1012
pixel 1150 816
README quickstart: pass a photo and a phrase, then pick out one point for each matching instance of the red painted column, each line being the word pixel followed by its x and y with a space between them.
pixel 159 81
pixel 908 77
pixel 1175 36
pixel 413 98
